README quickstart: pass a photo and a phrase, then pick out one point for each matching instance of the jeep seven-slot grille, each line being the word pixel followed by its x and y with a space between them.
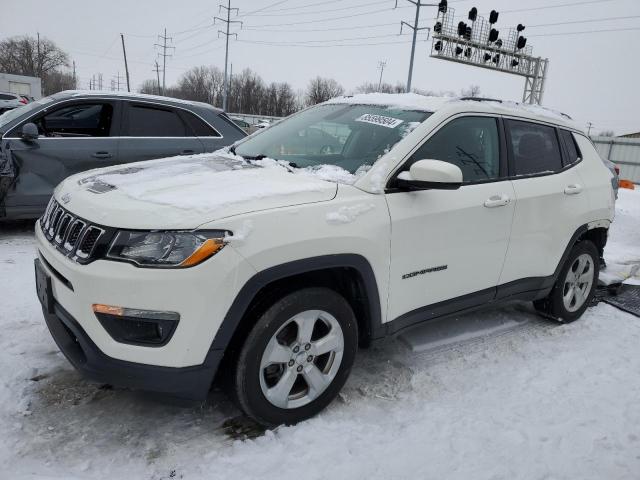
pixel 74 237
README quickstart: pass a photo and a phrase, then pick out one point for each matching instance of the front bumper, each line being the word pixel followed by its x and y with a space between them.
pixel 186 382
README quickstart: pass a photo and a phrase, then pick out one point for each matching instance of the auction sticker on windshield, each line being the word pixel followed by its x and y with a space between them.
pixel 381 120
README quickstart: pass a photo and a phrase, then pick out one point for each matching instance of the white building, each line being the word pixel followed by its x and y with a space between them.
pixel 21 85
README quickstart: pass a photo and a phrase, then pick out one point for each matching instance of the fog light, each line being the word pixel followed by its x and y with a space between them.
pixel 151 328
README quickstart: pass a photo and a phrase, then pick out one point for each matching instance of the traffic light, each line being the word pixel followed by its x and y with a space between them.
pixel 487 57
pixel 437 27
pixel 442 6
pixel 458 50
pixel 462 29
pixel 496 58
pixel 493 35
pixel 520 27
pixel 467 52
pixel 473 14
pixel 499 43
pixel 514 63
pixel 438 46
pixel 493 17
pixel 467 33
pixel 522 41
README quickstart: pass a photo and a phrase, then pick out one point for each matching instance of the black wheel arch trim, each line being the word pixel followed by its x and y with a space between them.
pixel 262 279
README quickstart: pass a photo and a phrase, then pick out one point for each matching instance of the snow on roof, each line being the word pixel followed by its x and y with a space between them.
pixel 142 96
pixel 414 101
pixel 411 101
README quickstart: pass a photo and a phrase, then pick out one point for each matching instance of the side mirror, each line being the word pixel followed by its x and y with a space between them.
pixel 430 174
pixel 30 132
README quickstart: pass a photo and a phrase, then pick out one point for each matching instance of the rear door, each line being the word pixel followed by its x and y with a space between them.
pixel 550 201
pixel 153 131
pixel 74 136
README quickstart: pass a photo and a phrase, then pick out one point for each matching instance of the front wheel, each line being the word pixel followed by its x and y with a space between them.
pixel 297 357
pixel 575 286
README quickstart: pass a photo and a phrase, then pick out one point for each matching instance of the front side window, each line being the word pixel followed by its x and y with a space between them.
pixel 470 143
pixel 347 135
pixel 77 120
pixel 146 121
pixel 534 148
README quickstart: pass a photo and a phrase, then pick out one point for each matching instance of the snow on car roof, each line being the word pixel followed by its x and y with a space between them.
pixel 141 96
pixel 415 101
pixel 408 101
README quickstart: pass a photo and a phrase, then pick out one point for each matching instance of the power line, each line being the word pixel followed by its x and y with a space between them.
pixel 319 20
pixel 350 7
pixel 258 42
pixel 544 7
pixel 583 21
pixel 585 32
pixel 306 30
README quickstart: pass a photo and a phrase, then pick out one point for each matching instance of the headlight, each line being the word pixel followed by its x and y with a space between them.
pixel 166 249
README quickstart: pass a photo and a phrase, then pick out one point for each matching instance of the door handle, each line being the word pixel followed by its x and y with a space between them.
pixel 102 155
pixel 497 201
pixel 187 152
pixel 573 189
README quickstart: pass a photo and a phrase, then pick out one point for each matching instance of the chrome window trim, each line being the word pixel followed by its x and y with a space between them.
pixel 103 98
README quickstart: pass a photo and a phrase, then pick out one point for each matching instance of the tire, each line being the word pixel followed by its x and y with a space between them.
pixel 285 373
pixel 572 293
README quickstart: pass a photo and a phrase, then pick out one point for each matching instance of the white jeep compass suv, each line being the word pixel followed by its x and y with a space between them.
pixel 340 225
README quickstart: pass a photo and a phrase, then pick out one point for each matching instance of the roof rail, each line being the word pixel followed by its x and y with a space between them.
pixel 481 99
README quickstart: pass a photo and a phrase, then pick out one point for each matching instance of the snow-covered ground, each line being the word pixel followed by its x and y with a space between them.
pixel 522 397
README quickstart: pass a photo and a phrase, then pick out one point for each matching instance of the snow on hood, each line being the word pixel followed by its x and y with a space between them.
pixel 184 192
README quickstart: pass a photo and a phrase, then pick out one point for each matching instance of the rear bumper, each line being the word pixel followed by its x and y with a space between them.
pixel 186 382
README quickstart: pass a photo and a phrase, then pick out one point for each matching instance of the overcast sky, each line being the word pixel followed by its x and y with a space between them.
pixel 594 77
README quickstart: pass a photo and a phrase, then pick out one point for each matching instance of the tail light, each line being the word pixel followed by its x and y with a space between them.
pixel 617 169
pixel 23 101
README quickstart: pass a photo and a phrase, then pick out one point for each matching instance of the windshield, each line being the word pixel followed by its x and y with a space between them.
pixel 11 115
pixel 346 135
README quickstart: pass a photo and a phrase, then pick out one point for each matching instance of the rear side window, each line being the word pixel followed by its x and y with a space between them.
pixel 471 143
pixel 144 121
pixel 198 126
pixel 6 97
pixel 534 148
pixel 572 153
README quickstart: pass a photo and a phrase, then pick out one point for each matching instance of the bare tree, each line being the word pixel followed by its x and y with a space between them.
pixel 322 89
pixel 607 133
pixel 370 87
pixel 473 91
pixel 26 56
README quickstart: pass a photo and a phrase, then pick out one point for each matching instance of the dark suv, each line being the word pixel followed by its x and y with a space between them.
pixel 50 139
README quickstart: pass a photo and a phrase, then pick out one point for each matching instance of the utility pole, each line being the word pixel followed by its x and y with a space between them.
pixel 126 67
pixel 164 55
pixel 75 79
pixel 99 81
pixel 39 66
pixel 415 29
pixel 228 21
pixel 589 131
pixel 157 70
pixel 116 81
pixel 381 65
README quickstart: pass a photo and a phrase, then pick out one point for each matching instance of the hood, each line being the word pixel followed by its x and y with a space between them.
pixel 185 192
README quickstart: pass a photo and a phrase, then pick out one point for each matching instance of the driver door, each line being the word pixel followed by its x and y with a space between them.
pixel 74 137
pixel 448 246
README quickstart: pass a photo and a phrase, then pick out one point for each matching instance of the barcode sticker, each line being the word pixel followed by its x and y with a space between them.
pixel 381 120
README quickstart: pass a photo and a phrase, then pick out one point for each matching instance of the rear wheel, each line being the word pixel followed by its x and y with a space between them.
pixel 575 286
pixel 297 357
